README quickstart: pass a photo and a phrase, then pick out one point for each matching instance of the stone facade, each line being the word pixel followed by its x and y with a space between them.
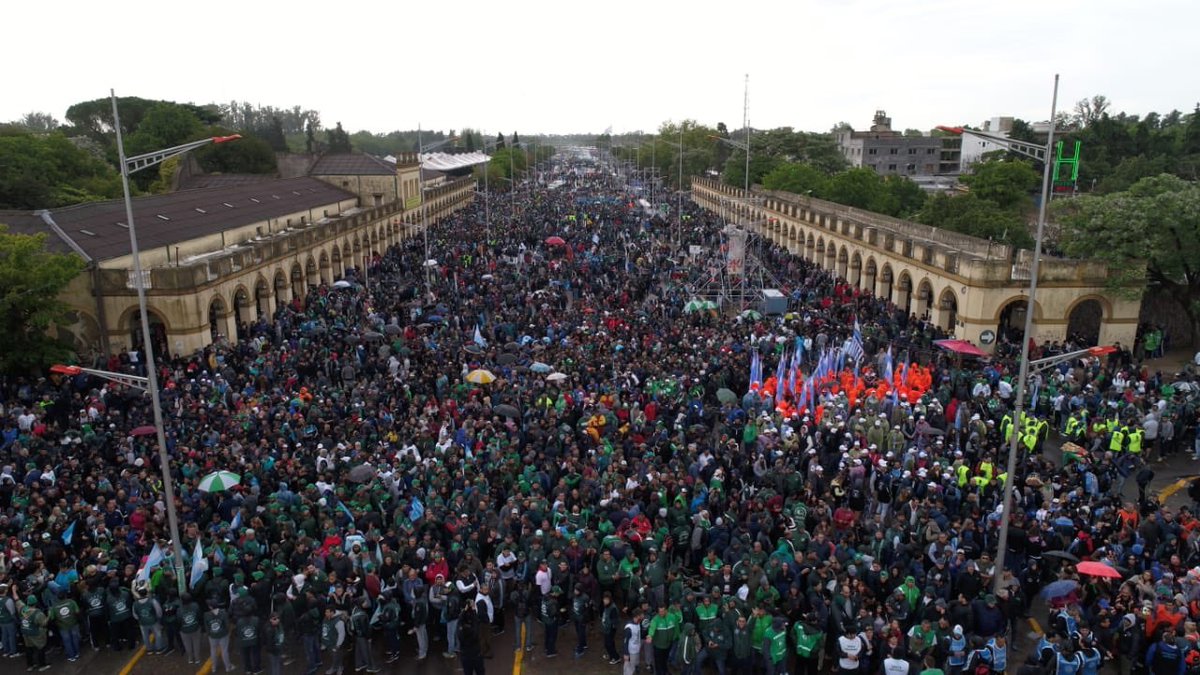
pixel 963 284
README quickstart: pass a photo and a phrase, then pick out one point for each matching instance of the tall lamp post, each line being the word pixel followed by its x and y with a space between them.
pixel 128 166
pixel 1006 512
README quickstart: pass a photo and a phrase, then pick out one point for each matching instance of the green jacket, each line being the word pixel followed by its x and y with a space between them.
pixel 718 635
pixel 120 606
pixel 216 624
pixel 33 626
pixel 147 611
pixel 759 631
pixel 741 642
pixel 606 571
pixel 247 631
pixel 809 641
pixel 663 631
pixel 189 618
pixel 689 644
pixel 776 642
pixel 65 613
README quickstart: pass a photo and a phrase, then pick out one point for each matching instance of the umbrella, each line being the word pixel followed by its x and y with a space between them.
pixel 431 263
pixel 506 410
pixel 473 349
pixel 512 346
pixel 556 241
pixel 1097 569
pixel 487 277
pixel 556 377
pixel 392 329
pixel 481 376
pixel 372 335
pixel 434 318
pixel 143 431
pixel 506 358
pixel 1061 554
pixel 218 481
pixel 362 473
pixel 693 305
pixel 726 395
pixel 750 314
pixel 539 367
pixel 342 283
pixel 960 347
pixel 1058 589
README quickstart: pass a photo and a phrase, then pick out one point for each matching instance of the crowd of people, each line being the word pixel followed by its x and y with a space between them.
pixel 396 500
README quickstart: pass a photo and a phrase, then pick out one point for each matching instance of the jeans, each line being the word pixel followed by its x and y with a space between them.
pixel 661 656
pixel 191 646
pixel 252 658
pixel 452 636
pixel 422 641
pixel 523 625
pixel 610 646
pixel 580 637
pixel 152 635
pixel 8 638
pixel 219 647
pixel 70 641
pixel 275 664
pixel 362 654
pixel 312 652
pixel 551 638
pixel 717 658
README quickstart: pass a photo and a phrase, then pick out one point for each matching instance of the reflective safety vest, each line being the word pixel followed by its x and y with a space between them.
pixel 985 468
pixel 778 640
pixel 1117 443
pixel 1030 440
pixel 964 475
pixel 1073 425
pixel 1135 441
pixel 999 656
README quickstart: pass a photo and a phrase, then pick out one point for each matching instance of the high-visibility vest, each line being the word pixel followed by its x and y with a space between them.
pixel 1135 441
pixel 1073 426
pixel 1030 440
pixel 1118 441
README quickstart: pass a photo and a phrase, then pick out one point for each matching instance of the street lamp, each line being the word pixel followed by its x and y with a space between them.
pixel 128 166
pixel 1006 512
pixel 424 206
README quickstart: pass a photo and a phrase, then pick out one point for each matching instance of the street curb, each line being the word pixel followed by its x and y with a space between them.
pixel 128 667
pixel 206 668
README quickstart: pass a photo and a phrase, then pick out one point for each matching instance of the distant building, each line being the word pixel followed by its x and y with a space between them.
pixel 889 152
pixel 974 147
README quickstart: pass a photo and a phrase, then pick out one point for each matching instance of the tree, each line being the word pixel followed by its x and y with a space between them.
pixel 338 140
pixel 250 154
pixel 797 177
pixel 310 139
pixel 905 196
pixel 969 214
pixel 165 125
pixel 516 140
pixel 1007 183
pixel 45 171
pixel 38 122
pixel 1149 235
pixel 499 141
pixel 275 135
pixel 32 277
pixel 1089 110
pixel 861 188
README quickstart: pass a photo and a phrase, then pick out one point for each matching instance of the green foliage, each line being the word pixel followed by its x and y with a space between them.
pixel 969 214
pixel 506 163
pixel 1149 235
pixel 165 125
pixel 905 196
pixel 1006 183
pixel 31 278
pixel 37 122
pixel 45 171
pixel 337 140
pixel 861 188
pixel 771 147
pixel 796 177
pixel 249 154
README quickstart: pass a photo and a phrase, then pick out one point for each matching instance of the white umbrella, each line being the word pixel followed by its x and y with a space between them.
pixel 556 377
pixel 219 481
pixel 431 263
pixel 342 283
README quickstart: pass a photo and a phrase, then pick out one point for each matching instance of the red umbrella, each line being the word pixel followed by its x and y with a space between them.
pixel 960 347
pixel 143 431
pixel 1097 569
pixel 556 241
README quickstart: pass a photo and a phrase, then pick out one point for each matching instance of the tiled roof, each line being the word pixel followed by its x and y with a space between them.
pixel 352 164
pixel 98 228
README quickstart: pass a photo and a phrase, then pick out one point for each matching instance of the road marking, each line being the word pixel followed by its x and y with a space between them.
pixel 1037 627
pixel 520 655
pixel 1175 487
pixel 137 656
pixel 206 668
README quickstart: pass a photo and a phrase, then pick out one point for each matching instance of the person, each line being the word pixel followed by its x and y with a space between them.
pixel 190 628
pixel 8 623
pixel 661 636
pixel 148 612
pixel 610 617
pixel 1164 656
pixel 216 627
pixel 275 640
pixel 250 642
pixel 333 639
pixel 119 604
pixel 419 615
pixel 98 628
pixel 809 643
pixel 360 626
pixel 895 663
pixel 485 611
pixel 470 651
pixel 1068 661
pixel 689 649
pixel 452 609
pixel 33 631
pixel 522 614
pixel 581 613
pixel 66 619
pixel 631 643
pixel 716 646
pixel 310 625
pixel 851 650
pixel 774 647
pixel 930 666
pixel 743 651
pixel 550 619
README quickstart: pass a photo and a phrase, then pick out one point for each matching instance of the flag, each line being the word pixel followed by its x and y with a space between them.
pixel 218 554
pixel 791 384
pixel 755 370
pixel 888 366
pixel 798 357
pixel 416 510
pixel 346 510
pixel 199 565
pixel 479 338
pixel 608 130
pixel 781 377
pixel 69 534
pixel 153 560
pixel 236 524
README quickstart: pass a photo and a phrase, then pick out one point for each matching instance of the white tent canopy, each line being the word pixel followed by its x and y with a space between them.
pixel 441 161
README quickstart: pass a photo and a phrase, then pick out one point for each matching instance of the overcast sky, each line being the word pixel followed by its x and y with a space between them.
pixel 558 67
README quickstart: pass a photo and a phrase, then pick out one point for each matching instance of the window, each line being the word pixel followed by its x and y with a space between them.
pixel 930 151
pixel 894 151
pixel 891 167
pixel 871 151
pixel 912 151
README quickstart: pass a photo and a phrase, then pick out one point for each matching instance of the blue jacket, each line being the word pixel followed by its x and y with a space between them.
pixel 1165 658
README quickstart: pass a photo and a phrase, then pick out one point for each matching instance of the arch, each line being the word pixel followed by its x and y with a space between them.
pixel 843 262
pixel 1085 316
pixel 809 246
pixel 262 298
pixel 831 253
pixel 792 231
pixel 947 310
pixel 887 278
pixel 80 330
pixel 240 300
pixel 159 328
pixel 903 292
pixel 297 281
pixel 323 266
pixel 336 261
pixel 1010 317
pixel 924 298
pixel 870 274
pixel 855 276
pixel 218 312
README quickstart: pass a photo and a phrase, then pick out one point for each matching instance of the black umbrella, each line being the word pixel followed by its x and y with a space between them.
pixel 372 335
pixel 506 410
pixel 392 329
pixel 512 346
pixel 1061 554
pixel 506 358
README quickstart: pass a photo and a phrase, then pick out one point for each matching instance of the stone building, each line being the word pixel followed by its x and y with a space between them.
pixel 890 152
pixel 216 257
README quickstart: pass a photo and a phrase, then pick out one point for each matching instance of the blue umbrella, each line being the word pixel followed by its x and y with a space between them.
pixel 1059 589
pixel 434 318
pixel 539 367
